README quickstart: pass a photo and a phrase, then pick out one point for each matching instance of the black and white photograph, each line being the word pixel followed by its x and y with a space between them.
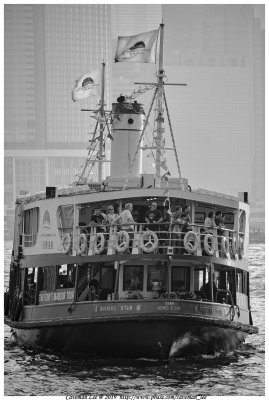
pixel 134 200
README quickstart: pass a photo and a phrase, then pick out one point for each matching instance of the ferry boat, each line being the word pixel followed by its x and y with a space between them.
pixel 147 288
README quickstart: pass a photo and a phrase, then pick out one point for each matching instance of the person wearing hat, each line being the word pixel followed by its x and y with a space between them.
pixel 153 217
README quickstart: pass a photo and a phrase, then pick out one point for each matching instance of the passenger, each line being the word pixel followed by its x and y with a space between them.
pixel 153 217
pixel 186 218
pixel 177 215
pixel 220 225
pixel 98 219
pixel 126 218
pixel 135 283
pixel 177 225
pixel 127 221
pixel 111 217
pixel 206 291
pixel 209 223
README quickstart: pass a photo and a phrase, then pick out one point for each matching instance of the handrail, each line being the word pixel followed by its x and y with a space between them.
pixel 168 238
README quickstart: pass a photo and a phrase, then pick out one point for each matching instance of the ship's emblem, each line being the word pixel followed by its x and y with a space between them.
pixel 135 50
pixel 87 81
pixel 46 220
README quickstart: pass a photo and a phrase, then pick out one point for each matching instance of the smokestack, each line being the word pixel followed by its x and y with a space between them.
pixel 127 126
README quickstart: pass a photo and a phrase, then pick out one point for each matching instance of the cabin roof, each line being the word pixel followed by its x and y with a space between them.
pixel 95 191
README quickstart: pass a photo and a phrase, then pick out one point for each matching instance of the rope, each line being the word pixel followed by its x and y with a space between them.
pixel 87 162
pixel 172 135
pixel 140 140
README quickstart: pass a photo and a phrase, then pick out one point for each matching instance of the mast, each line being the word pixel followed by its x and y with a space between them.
pixel 160 110
pixel 102 126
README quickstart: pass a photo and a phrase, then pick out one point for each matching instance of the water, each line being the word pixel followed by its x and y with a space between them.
pixel 239 374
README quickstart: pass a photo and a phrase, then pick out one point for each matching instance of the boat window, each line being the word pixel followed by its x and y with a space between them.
pixel 133 277
pixel 31 219
pixel 200 278
pixel 107 278
pixel 65 219
pixel 50 278
pixel 66 276
pixel 157 277
pixel 30 286
pixel 239 281
pixel 245 282
pixel 106 282
pixel 180 279
pixel 242 220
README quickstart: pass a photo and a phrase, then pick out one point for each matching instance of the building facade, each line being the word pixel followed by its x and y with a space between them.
pixel 47 48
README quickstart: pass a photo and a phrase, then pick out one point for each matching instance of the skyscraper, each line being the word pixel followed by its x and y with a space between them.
pixel 47 48
pixel 218 50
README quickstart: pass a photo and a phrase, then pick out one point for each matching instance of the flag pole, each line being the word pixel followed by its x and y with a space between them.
pixel 102 119
pixel 160 111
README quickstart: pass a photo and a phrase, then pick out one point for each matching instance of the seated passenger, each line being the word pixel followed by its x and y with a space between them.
pixel 206 291
pixel 209 223
pixel 153 217
pixel 135 283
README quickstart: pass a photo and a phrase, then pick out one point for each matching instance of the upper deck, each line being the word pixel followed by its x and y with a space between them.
pixel 61 226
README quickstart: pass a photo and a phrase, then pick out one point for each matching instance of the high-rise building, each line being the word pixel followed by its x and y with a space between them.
pixel 47 48
pixel 218 50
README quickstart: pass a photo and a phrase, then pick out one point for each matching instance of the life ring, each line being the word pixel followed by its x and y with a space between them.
pixel 234 245
pixel 146 243
pixel 122 241
pixel 66 242
pixel 209 244
pixel 224 245
pixel 82 244
pixel 99 245
pixel 190 242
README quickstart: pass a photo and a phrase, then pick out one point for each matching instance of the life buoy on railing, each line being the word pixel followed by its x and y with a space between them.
pixel 122 241
pixel 234 245
pixel 224 245
pixel 66 243
pixel 209 244
pixel 148 241
pixel 82 244
pixel 190 242
pixel 99 243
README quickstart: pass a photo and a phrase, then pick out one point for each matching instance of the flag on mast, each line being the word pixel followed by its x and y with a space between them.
pixel 86 85
pixel 139 48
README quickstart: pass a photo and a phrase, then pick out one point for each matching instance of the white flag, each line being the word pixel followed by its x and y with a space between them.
pixel 139 48
pixel 86 85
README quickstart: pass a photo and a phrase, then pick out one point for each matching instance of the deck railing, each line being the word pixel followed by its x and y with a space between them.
pixel 160 238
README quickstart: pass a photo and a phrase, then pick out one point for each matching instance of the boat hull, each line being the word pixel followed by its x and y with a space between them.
pixel 145 338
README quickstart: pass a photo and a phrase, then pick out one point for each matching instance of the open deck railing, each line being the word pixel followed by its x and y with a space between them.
pixel 159 238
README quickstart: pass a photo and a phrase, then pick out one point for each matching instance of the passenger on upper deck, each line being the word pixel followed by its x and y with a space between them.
pixel 177 219
pixel 219 221
pixel 127 218
pixel 209 223
pixel 98 219
pixel 112 217
pixel 153 217
pixel 186 218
